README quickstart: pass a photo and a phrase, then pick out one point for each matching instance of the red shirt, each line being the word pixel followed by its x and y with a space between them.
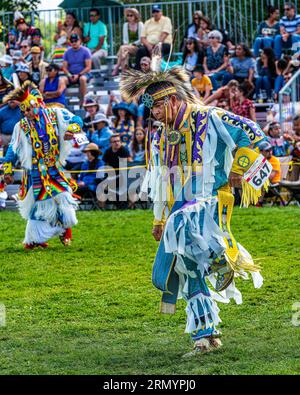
pixel 242 109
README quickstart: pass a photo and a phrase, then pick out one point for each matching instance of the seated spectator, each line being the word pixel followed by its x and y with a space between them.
pixel 145 64
pixel 294 139
pixel 116 152
pixel 53 87
pixel 25 49
pixel 23 73
pixel 242 105
pixel 101 134
pixel 266 70
pixel 267 30
pixel 289 30
pixel 137 146
pixel 37 67
pixel 94 36
pixel 87 181
pixel 6 65
pixel 215 59
pixel 205 28
pixel 37 42
pixel 192 54
pixel 279 83
pixel 25 31
pixel 69 27
pixel 157 30
pixel 11 45
pixel 124 124
pixel 92 107
pixel 132 30
pixel 17 58
pixel 280 146
pixel 193 28
pixel 224 96
pixel 287 110
pixel 265 149
pixel 241 66
pixel 77 64
pixel 201 83
pixel 10 115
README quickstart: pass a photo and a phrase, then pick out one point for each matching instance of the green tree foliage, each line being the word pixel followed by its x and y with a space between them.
pixel 21 5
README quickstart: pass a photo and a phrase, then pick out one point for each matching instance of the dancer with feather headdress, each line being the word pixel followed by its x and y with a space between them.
pixel 41 142
pixel 190 172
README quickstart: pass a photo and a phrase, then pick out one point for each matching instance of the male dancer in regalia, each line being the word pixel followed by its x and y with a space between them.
pixel 41 142
pixel 191 170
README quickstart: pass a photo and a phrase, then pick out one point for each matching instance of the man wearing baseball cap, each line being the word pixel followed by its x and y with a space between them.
pixel 157 32
pixel 77 64
pixel 266 150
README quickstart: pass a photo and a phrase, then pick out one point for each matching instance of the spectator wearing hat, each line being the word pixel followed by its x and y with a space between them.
pixel 77 64
pixel 37 41
pixel 11 45
pixel 156 31
pixel 87 180
pixel 132 30
pixel 25 49
pixel 37 67
pixel 266 150
pixel 6 63
pixel 91 106
pixel 216 58
pixel 53 87
pixel 102 133
pixel 94 35
pixel 25 31
pixel 124 124
pixel 201 83
pixel 23 73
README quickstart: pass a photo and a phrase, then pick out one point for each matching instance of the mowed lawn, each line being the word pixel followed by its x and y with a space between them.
pixel 91 308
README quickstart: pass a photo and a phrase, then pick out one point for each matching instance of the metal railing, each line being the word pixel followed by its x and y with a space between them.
pixel 289 100
pixel 239 17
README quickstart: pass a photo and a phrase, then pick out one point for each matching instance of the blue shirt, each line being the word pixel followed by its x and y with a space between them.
pixel 90 177
pixel 241 67
pixel 290 25
pixel 101 138
pixel 9 117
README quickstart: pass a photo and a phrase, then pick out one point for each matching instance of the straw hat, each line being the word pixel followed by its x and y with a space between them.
pixel 133 11
pixel 92 147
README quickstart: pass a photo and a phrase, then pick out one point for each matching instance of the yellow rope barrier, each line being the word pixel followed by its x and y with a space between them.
pixel 102 169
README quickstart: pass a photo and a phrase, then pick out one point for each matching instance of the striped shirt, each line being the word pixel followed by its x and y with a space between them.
pixel 290 25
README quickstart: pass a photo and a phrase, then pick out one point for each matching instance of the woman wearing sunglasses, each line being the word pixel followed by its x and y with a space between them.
pixel 192 30
pixel 132 30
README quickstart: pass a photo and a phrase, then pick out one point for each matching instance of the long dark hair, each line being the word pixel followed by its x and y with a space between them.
pixel 76 23
pixel 247 52
pixel 93 165
pixel 128 118
pixel 271 60
pixel 246 88
pixel 185 49
pixel 135 144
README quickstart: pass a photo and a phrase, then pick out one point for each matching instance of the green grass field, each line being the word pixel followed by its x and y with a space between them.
pixel 91 308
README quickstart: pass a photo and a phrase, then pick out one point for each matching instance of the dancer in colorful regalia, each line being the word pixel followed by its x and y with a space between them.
pixel 41 142
pixel 192 164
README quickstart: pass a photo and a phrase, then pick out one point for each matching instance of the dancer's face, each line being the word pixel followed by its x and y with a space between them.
pixel 166 112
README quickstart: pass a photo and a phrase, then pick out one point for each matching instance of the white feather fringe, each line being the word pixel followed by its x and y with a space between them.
pixel 40 231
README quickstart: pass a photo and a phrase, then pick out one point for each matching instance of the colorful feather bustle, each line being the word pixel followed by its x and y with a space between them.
pixel 18 94
pixel 134 83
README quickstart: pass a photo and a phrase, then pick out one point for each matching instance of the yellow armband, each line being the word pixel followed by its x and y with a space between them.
pixel 156 222
pixel 7 168
pixel 74 128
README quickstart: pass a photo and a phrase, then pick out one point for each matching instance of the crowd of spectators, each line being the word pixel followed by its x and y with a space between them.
pixel 229 75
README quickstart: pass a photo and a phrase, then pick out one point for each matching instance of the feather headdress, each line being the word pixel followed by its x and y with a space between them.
pixel 157 85
pixel 27 95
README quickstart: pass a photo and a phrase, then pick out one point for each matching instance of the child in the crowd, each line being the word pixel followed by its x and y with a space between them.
pixel 201 83
pixel 137 146
pixel 280 146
